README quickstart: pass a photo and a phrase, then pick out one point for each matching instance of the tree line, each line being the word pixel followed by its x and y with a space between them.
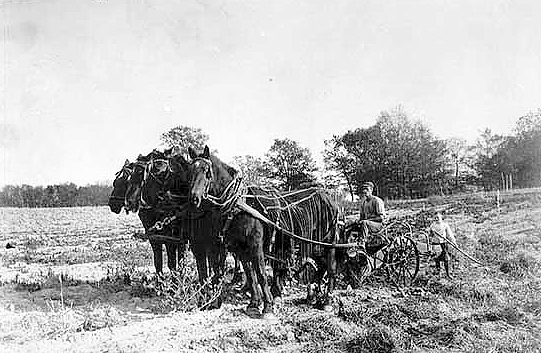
pixel 60 195
pixel 401 155
pixel 406 160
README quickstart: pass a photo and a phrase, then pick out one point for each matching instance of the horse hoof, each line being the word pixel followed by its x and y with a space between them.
pixel 253 312
pixel 269 317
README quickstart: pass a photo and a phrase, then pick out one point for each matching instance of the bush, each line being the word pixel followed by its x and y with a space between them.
pixel 519 265
pixel 377 339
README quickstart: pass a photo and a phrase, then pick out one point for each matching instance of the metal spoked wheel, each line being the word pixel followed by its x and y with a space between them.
pixel 402 261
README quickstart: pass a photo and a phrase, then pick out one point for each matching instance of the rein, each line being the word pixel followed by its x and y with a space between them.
pixel 117 198
pixel 229 196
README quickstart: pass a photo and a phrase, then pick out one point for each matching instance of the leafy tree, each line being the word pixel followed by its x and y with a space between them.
pixel 486 158
pixel 459 155
pixel 525 150
pixel 253 169
pixel 511 161
pixel 290 164
pixel 401 156
pixel 184 137
pixel 337 158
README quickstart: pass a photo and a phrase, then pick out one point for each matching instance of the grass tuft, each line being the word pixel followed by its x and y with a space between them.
pixel 519 265
pixel 376 339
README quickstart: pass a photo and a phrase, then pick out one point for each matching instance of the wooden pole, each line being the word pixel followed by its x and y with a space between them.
pixel 498 200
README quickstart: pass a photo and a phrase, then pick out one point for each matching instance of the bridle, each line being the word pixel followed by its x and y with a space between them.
pixel 226 201
pixel 149 174
pixel 143 165
pixel 209 175
pixel 125 171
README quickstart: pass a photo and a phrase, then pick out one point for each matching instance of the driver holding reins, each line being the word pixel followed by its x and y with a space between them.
pixel 371 217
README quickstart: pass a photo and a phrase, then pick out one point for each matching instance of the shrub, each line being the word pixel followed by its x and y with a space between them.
pixel 519 265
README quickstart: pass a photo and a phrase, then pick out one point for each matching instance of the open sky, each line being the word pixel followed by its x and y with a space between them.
pixel 86 84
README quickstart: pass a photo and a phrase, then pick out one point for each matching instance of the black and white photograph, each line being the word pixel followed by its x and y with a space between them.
pixel 350 176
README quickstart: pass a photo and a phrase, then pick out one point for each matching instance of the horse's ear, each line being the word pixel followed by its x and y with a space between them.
pixel 126 162
pixel 192 153
pixel 206 152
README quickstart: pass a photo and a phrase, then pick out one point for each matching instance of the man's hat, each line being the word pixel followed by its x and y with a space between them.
pixel 368 184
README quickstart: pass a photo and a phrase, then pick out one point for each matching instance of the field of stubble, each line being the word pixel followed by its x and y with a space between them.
pixel 73 282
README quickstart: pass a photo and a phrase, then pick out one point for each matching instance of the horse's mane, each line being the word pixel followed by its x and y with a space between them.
pixel 218 162
pixel 179 181
pixel 223 173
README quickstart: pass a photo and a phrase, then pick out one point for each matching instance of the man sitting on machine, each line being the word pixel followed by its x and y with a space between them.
pixel 371 218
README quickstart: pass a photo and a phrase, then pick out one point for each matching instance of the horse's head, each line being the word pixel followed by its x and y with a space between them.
pixel 157 177
pixel 165 177
pixel 120 187
pixel 201 175
pixel 135 183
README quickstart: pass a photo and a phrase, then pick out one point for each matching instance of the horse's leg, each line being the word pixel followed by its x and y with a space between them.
pixel 331 276
pixel 237 274
pixel 255 298
pixel 158 259
pixel 171 250
pixel 201 263
pixel 216 263
pixel 254 234
pixel 259 268
pixel 311 293
pixel 278 274
pixel 278 269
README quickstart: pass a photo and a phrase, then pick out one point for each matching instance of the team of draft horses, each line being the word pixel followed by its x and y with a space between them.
pixel 197 197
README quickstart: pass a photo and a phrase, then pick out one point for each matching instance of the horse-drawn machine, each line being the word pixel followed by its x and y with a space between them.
pixel 292 231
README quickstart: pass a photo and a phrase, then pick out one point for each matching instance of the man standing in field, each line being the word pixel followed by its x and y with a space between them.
pixel 441 234
pixel 371 217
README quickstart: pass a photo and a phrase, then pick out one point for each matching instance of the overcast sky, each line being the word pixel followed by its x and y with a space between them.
pixel 86 84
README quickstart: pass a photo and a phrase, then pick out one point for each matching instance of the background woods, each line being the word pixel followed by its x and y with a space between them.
pixel 401 155
pixel 61 195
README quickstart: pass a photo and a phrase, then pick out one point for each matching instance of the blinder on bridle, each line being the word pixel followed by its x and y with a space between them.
pixel 209 174
pixel 163 165
pixel 126 173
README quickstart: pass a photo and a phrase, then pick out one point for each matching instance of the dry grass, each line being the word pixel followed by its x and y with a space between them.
pixel 496 308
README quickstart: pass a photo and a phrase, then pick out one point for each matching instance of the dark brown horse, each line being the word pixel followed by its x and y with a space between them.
pixel 215 184
pixel 127 193
pixel 117 198
pixel 165 188
pixel 310 214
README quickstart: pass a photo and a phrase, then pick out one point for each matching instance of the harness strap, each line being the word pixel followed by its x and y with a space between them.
pixel 250 210
pixel 117 198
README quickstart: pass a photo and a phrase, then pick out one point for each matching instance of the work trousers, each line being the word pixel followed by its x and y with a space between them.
pixel 365 228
